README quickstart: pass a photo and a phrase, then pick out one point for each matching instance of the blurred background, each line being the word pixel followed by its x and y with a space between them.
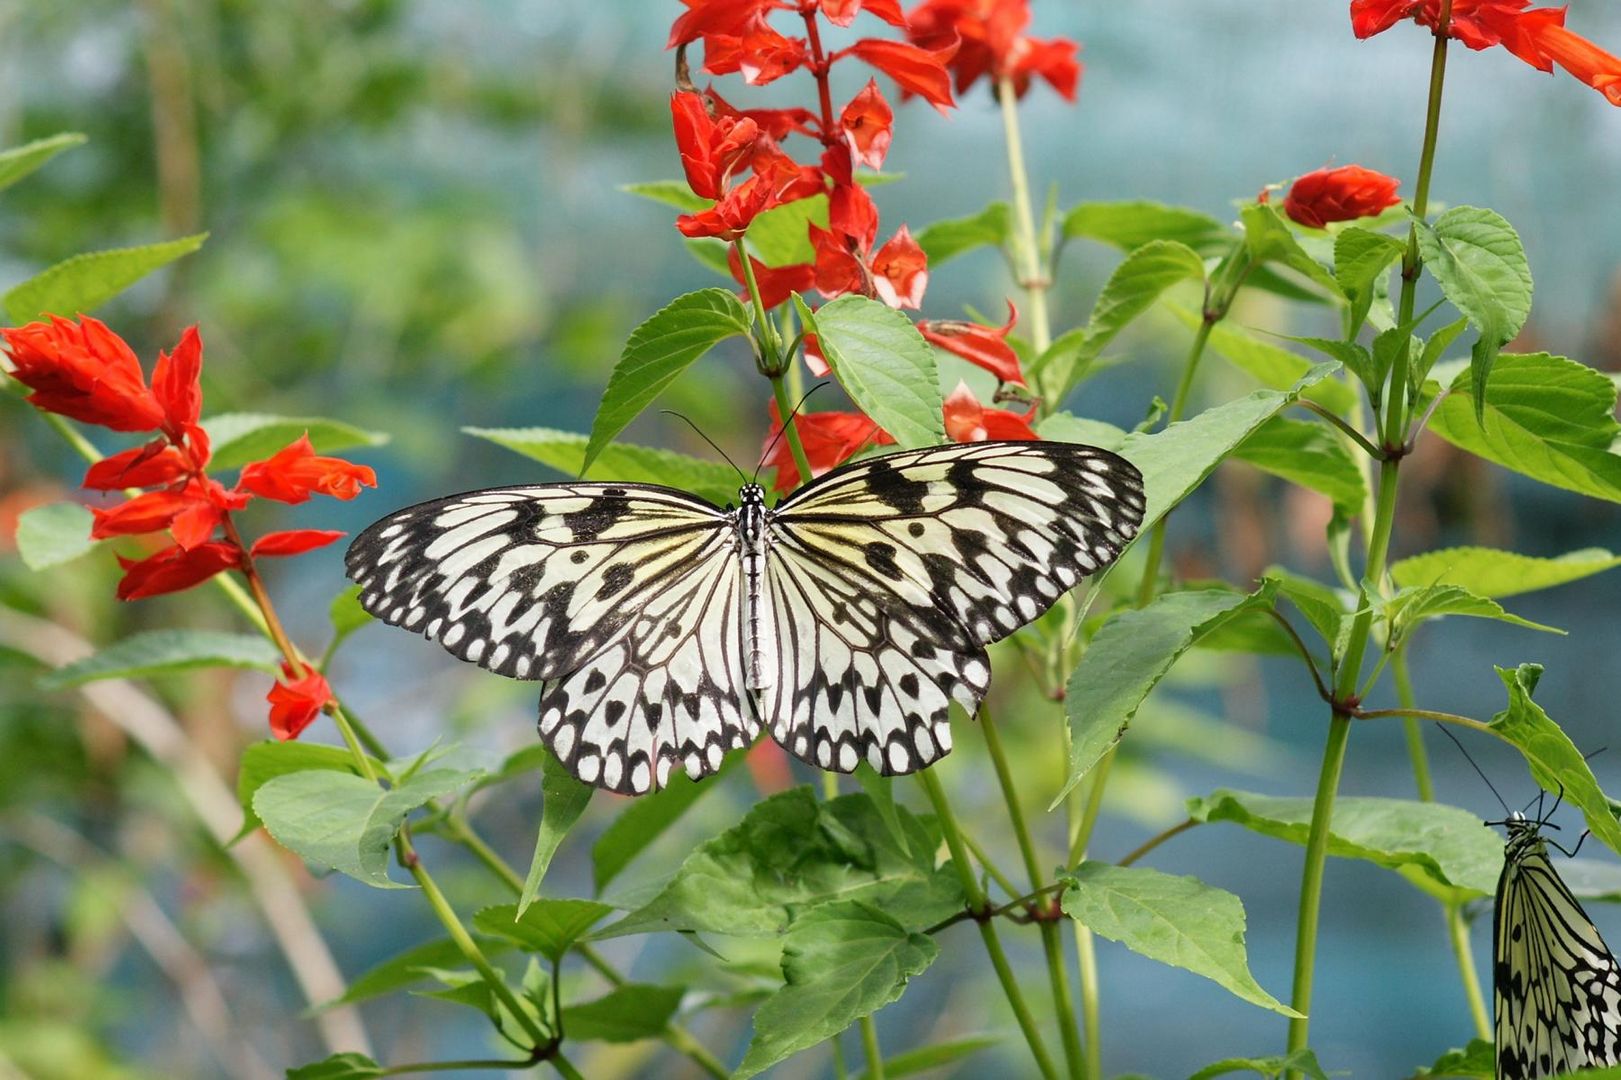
pixel 417 225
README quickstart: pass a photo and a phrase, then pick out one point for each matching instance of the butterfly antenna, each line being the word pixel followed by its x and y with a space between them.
pixel 705 438
pixel 1478 771
pixel 772 445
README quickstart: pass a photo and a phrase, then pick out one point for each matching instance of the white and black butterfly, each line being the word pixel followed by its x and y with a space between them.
pixel 1556 987
pixel 669 630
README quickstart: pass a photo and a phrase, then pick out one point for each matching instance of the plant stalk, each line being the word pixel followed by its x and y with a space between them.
pixel 1034 278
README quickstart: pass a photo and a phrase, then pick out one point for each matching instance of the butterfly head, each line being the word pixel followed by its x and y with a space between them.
pixel 751 495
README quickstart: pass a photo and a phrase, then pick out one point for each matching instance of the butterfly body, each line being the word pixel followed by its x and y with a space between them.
pixel 1556 986
pixel 668 631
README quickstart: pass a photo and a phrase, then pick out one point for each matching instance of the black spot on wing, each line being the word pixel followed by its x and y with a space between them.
pixel 895 489
pixel 615 579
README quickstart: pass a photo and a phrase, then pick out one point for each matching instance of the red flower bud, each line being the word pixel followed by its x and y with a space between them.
pixel 83 371
pixel 1341 194
pixel 295 701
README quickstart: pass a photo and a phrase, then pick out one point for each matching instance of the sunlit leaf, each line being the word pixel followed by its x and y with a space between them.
pixel 883 363
pixel 1494 573
pixel 165 652
pixel 54 534
pixel 85 282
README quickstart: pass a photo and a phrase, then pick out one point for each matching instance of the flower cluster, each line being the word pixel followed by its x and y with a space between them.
pixel 1535 35
pixel 84 371
pixel 734 159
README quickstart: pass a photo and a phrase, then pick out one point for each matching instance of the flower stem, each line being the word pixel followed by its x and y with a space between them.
pixel 1155 841
pixel 1033 277
pixel 790 430
pixel 993 944
pixel 1415 736
pixel 1458 933
pixel 869 1046
pixel 1311 885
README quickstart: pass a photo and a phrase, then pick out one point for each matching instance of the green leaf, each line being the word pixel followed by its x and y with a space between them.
pixel 1419 370
pixel 779 237
pixel 625 1014
pixel 1356 358
pixel 1477 1061
pixel 659 350
pixel 565 452
pixel 883 363
pixel 239 438
pixel 163 652
pixel 1489 572
pixel 563 800
pixel 645 820
pixel 1412 606
pixel 19 161
pixel 346 1066
pixel 1556 765
pixel 54 534
pixel 1130 224
pixel 1067 427
pixel 792 853
pixel 1128 657
pixel 1444 850
pixel 1271 240
pixel 1301 1061
pixel 1545 417
pixel 549 927
pixel 923 1059
pixel 265 760
pixel 85 282
pixel 346 614
pixel 346 822
pixel 1477 258
pixel 1179 921
pixel 947 239
pixel 1308 454
pixel 1131 290
pixel 408 968
pixel 840 962
pixel 468 988
pixel 710 253
pixel 1321 605
pixel 672 193
pixel 1361 258
pixel 1271 365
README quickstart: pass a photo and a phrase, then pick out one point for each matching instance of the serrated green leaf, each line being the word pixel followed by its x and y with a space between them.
pixel 1545 417
pixel 1489 572
pixel 54 534
pixel 1477 1061
pixel 1419 370
pixel 658 351
pixel 1067 427
pixel 549 927
pixel 85 282
pixel 164 652
pixel 1556 765
pixel 672 193
pixel 565 452
pixel 1327 612
pixel 563 800
pixel 1301 1061
pixel 408 968
pixel 840 962
pixel 1270 239
pixel 19 161
pixel 1444 850
pixel 923 1059
pixel 1271 365
pixel 780 237
pixel 792 853
pixel 346 1066
pixel 1361 259
pixel 1130 224
pixel 1412 606
pixel 467 988
pixel 947 239
pixel 645 820
pixel 239 438
pixel 1179 921
pixel 345 822
pixel 883 363
pixel 270 758
pixel 346 615
pixel 625 1014
pixel 1356 358
pixel 1128 657
pixel 1308 454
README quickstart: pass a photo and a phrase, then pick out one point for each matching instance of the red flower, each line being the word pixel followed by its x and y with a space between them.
pixel 843 12
pixel 1341 194
pixel 867 123
pixel 983 346
pixel 83 371
pixel 1537 36
pixel 294 473
pixel 710 149
pixel 969 421
pixel 896 273
pixel 176 382
pixel 156 463
pixel 918 70
pixel 292 542
pixel 900 271
pixel 829 439
pixel 295 702
pixel 190 512
pixel 777 123
pixel 728 17
pixel 992 43
pixel 175 568
pixel 776 282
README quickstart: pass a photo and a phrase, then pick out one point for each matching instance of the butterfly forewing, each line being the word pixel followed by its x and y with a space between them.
pixel 1556 987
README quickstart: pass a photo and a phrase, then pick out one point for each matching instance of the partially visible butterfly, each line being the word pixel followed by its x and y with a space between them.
pixel 669 631
pixel 1556 987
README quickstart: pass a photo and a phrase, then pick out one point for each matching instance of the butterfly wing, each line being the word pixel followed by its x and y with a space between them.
pixel 1556 986
pixel 889 577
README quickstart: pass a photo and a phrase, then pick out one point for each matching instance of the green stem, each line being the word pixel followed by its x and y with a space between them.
pixel 869 1046
pixel 1085 950
pixel 1089 814
pixel 1184 387
pixel 1155 841
pixel 1458 933
pixel 790 431
pixel 564 1068
pixel 1415 736
pixel 990 866
pixel 447 1066
pixel 768 330
pixel 1311 885
pixel 993 944
pixel 1033 277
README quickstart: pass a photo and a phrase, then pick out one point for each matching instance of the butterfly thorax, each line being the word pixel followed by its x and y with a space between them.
pixel 750 520
pixel 1524 837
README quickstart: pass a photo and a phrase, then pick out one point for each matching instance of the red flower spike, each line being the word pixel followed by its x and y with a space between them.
pixel 776 282
pixel 296 701
pixel 982 346
pixel 140 466
pixel 295 473
pixel 829 439
pixel 969 421
pixel 917 70
pixel 176 383
pixel 900 271
pixel 991 43
pixel 868 125
pixel 292 542
pixel 175 568
pixel 83 371
pixel 1343 194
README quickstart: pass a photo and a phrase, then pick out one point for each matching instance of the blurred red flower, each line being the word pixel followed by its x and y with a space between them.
pixel 296 701
pixel 296 472
pixel 969 421
pixel 1341 194
pixel 829 439
pixel 983 346
pixel 1536 35
pixel 992 43
pixel 843 12
pixel 917 70
pixel 83 371
pixel 175 568
pixel 868 125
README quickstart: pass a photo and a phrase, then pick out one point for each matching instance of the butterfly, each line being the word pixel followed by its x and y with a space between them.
pixel 1556 987
pixel 668 630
